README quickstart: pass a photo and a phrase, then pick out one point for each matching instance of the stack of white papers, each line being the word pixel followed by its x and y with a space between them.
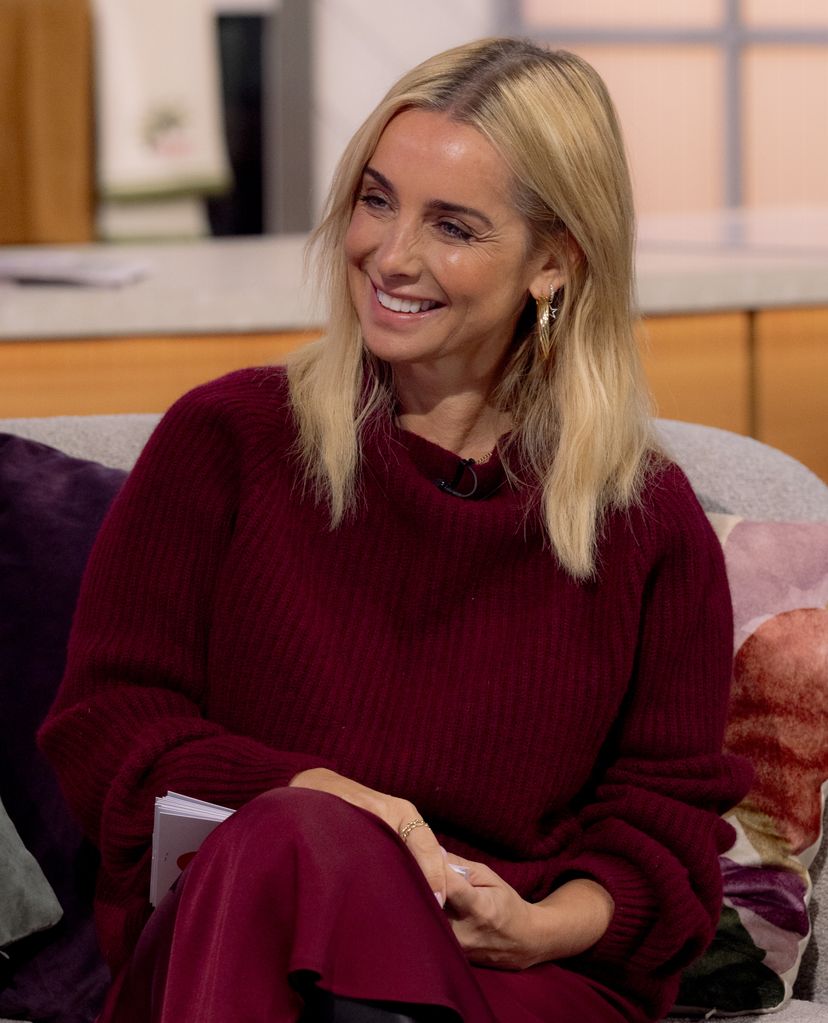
pixel 181 825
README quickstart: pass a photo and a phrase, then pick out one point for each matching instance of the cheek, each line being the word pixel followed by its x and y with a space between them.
pixel 484 286
pixel 360 238
pixel 459 276
pixel 351 243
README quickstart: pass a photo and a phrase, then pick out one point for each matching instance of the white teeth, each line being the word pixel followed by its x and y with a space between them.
pixel 404 305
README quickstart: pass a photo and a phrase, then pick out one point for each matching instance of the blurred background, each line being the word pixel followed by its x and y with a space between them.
pixel 200 135
pixel 724 102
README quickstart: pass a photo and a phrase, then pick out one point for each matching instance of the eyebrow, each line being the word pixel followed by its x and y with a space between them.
pixel 438 205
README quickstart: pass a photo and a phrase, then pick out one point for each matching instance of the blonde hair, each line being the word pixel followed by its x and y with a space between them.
pixel 581 418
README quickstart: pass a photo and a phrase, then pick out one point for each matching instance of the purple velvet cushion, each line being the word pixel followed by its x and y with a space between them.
pixel 51 507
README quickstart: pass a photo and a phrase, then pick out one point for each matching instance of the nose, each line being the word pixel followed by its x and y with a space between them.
pixel 398 253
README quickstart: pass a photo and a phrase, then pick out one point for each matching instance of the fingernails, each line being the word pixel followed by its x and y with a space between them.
pixel 441 899
pixel 462 871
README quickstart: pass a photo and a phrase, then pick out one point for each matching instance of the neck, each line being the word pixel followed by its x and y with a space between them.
pixel 461 421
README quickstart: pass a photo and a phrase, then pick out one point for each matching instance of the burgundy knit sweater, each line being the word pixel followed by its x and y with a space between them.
pixel 227 638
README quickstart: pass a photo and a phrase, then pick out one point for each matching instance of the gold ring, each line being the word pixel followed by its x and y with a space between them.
pixel 406 829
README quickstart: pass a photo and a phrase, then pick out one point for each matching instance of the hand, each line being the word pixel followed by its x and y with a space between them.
pixel 496 927
pixel 396 813
pixel 493 924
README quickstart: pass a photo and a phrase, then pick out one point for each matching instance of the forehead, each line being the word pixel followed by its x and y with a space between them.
pixel 428 152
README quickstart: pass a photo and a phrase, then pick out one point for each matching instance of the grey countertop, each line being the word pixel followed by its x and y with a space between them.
pixel 685 264
pixel 733 259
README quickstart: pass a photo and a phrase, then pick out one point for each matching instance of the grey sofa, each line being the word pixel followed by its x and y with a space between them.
pixel 728 472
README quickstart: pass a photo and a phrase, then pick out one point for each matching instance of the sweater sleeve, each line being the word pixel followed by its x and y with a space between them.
pixel 652 831
pixel 127 724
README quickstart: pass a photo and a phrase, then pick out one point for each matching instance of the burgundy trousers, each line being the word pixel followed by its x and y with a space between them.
pixel 299 886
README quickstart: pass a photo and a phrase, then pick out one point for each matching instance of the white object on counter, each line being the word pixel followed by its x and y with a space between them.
pixel 221 286
pixel 49 266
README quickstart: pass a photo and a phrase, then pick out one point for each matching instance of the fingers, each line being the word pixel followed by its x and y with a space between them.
pixel 476 874
pixel 467 883
pixel 492 923
pixel 426 850
pixel 461 894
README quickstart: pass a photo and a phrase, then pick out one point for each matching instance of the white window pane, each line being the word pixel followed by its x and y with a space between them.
pixel 670 101
pixel 612 14
pixel 789 14
pixel 786 125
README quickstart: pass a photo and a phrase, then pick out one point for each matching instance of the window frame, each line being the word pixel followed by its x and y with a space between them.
pixel 731 37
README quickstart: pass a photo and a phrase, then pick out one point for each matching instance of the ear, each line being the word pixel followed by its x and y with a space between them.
pixel 546 281
pixel 553 269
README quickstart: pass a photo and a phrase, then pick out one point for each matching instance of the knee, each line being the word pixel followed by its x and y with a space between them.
pixel 293 818
pixel 307 811
pixel 297 840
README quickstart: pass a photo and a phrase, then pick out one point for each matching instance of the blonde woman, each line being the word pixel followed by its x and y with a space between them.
pixel 428 608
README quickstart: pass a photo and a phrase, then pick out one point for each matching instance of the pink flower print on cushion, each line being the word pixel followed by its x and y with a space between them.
pixel 778 710
pixel 774 567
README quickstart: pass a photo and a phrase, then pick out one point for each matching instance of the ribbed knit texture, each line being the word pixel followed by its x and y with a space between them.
pixel 226 638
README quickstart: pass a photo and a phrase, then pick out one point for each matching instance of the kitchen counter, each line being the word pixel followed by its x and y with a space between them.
pixel 216 286
pixel 733 260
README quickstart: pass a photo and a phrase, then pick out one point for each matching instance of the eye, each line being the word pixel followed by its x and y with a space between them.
pixel 454 231
pixel 373 201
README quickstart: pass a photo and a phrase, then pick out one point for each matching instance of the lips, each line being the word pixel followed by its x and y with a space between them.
pixel 404 305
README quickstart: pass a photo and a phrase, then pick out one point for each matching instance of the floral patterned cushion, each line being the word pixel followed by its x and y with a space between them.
pixel 778 573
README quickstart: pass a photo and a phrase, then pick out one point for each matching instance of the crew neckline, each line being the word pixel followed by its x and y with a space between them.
pixel 436 463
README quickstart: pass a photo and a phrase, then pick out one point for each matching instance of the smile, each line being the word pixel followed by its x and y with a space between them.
pixel 404 305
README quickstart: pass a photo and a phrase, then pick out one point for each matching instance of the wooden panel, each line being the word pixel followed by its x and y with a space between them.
pixel 792 384
pixel 139 374
pixel 47 148
pixel 699 368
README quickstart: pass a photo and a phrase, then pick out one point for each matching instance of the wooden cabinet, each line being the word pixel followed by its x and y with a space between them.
pixel 129 374
pixel 699 368
pixel 764 374
pixel 791 382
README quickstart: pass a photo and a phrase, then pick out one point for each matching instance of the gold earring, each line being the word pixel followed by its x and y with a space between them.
pixel 547 313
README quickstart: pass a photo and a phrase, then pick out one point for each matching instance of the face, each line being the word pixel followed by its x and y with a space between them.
pixel 439 261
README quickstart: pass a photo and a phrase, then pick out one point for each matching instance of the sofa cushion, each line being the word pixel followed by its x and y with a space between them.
pixel 51 507
pixel 50 510
pixel 778 575
pixel 27 902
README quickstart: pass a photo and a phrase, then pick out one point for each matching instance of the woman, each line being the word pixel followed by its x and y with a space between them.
pixel 428 607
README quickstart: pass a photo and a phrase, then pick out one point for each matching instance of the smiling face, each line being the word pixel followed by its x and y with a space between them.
pixel 439 260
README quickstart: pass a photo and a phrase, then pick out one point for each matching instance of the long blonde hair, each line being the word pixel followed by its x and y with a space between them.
pixel 581 418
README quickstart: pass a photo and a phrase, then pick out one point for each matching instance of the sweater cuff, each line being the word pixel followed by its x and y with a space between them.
pixel 635 910
pixel 230 769
pixel 211 765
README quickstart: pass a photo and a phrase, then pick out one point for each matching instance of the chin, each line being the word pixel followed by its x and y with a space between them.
pixel 387 353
